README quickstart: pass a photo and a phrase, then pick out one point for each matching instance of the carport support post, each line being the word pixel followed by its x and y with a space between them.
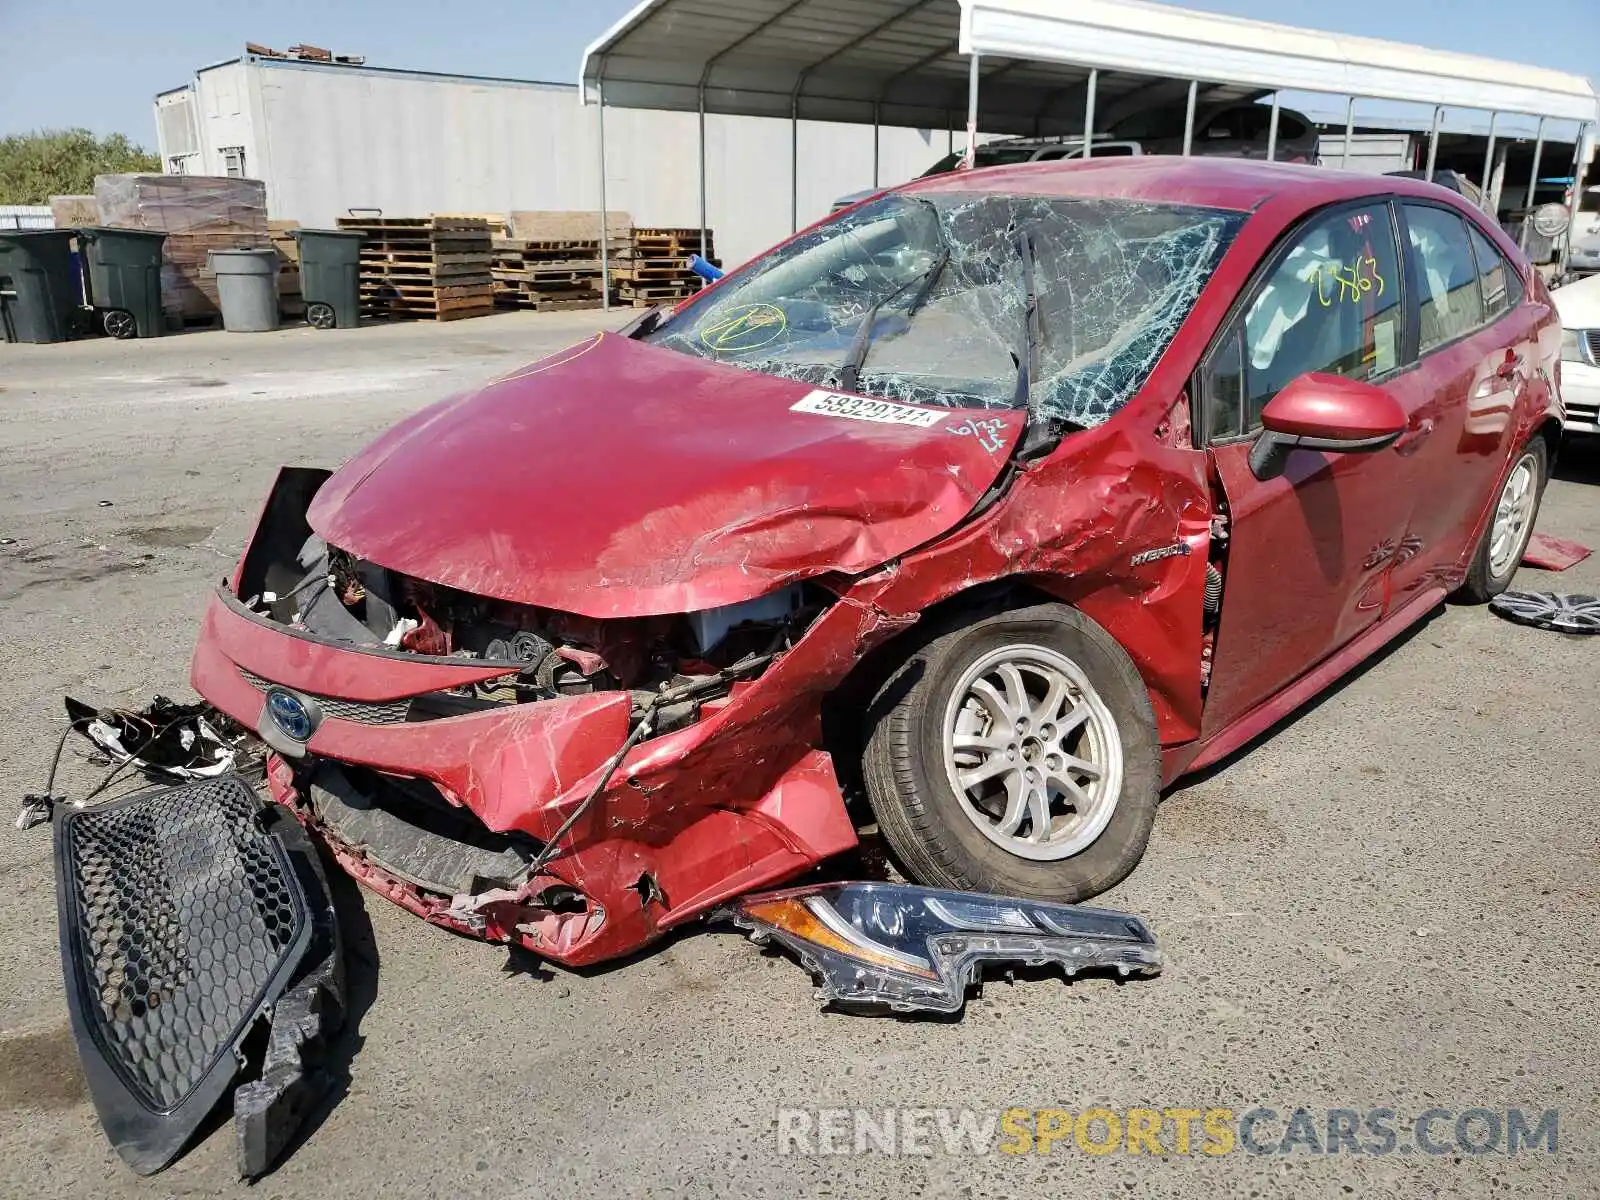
pixel 972 112
pixel 1488 161
pixel 877 111
pixel 702 149
pixel 1088 112
pixel 1533 187
pixel 1580 168
pixel 1272 130
pixel 794 161
pixel 1188 117
pixel 1433 139
pixel 605 239
pixel 1349 131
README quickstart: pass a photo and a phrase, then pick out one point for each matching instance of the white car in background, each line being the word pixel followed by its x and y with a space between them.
pixel 1579 306
pixel 1584 252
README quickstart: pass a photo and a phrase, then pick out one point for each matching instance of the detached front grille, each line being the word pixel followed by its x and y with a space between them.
pixel 374 712
pixel 182 909
pixel 184 914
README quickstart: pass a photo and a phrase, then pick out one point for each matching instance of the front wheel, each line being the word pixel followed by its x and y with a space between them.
pixel 1504 541
pixel 1018 755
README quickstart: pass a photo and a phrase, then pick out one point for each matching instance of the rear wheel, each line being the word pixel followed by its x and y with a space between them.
pixel 1016 754
pixel 1510 526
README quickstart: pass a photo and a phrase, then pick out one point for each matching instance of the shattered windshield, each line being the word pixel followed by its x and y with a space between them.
pixel 924 299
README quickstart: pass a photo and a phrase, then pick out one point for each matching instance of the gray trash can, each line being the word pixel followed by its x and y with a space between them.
pixel 37 297
pixel 122 273
pixel 330 276
pixel 247 289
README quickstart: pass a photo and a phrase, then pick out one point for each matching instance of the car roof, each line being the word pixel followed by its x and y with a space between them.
pixel 1229 183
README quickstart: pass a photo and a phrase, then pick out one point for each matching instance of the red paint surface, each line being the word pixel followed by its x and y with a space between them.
pixel 1553 553
pixel 621 479
pixel 715 490
pixel 1330 406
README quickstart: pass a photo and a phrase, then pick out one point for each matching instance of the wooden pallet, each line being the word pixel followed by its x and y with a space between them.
pixel 433 268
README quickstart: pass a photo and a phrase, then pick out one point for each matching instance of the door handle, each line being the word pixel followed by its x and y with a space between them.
pixel 1411 440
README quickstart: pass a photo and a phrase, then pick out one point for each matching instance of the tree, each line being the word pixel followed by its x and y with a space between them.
pixel 63 162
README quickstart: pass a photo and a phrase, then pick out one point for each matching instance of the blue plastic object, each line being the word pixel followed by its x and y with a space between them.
pixel 704 269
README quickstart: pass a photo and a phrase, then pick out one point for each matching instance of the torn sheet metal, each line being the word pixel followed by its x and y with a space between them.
pixel 1549 610
pixel 1552 553
pixel 165 739
pixel 917 949
pixel 187 916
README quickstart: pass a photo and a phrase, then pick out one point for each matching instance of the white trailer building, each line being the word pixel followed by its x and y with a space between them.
pixel 326 138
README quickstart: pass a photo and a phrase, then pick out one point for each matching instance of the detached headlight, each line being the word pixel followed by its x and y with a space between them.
pixel 1571 351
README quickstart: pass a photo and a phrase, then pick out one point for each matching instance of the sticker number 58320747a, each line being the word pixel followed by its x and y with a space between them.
pixel 861 408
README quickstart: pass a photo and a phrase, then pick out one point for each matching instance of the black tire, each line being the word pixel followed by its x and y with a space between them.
pixel 1482 583
pixel 321 316
pixel 919 813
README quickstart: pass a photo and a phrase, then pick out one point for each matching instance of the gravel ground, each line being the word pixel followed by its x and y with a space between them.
pixel 1389 903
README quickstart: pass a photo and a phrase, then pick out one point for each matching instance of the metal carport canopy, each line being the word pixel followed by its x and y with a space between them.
pixel 904 62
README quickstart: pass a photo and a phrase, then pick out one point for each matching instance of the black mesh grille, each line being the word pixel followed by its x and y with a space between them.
pixel 375 712
pixel 179 914
pixel 1593 337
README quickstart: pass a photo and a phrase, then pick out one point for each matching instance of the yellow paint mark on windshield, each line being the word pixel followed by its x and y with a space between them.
pixel 744 327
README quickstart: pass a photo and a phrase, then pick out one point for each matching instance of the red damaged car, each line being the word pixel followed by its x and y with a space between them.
pixel 999 501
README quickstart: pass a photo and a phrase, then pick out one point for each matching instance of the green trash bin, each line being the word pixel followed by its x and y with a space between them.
pixel 37 296
pixel 122 273
pixel 330 277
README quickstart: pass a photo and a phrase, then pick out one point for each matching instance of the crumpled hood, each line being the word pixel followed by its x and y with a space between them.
pixel 616 478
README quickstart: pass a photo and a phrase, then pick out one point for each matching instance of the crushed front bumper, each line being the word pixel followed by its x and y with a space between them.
pixel 743 798
pixel 187 916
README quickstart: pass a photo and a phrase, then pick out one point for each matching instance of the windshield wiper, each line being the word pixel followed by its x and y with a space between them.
pixel 861 343
pixel 1027 360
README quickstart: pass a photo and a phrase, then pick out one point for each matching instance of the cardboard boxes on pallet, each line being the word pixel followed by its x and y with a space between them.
pixel 199 214
pixel 431 268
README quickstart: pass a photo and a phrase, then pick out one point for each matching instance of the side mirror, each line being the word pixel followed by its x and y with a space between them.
pixel 1325 412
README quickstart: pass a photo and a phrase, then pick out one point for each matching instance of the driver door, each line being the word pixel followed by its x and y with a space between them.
pixel 1308 548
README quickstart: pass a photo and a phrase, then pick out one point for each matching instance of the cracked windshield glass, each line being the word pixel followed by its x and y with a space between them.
pixel 969 300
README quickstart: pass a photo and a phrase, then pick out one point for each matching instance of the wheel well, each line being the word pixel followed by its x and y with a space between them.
pixel 1550 431
pixel 846 711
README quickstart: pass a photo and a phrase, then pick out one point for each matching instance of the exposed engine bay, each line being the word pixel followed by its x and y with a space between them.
pixel 672 663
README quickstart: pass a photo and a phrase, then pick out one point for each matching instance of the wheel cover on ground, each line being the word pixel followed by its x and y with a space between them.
pixel 1513 516
pixel 1032 752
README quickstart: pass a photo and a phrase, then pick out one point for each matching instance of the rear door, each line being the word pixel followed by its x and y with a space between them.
pixel 1308 550
pixel 1477 350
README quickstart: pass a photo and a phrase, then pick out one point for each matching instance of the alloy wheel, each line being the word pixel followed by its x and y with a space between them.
pixel 1032 752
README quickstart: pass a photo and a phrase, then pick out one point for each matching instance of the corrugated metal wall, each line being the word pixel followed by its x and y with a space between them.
pixel 26 216
pixel 329 139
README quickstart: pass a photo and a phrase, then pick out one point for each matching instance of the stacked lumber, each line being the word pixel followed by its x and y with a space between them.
pixel 432 268
pixel 654 266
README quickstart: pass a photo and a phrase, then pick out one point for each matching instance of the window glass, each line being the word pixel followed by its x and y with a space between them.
pixel 1495 276
pixel 1224 390
pixel 1447 276
pixel 1332 304
pixel 925 298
